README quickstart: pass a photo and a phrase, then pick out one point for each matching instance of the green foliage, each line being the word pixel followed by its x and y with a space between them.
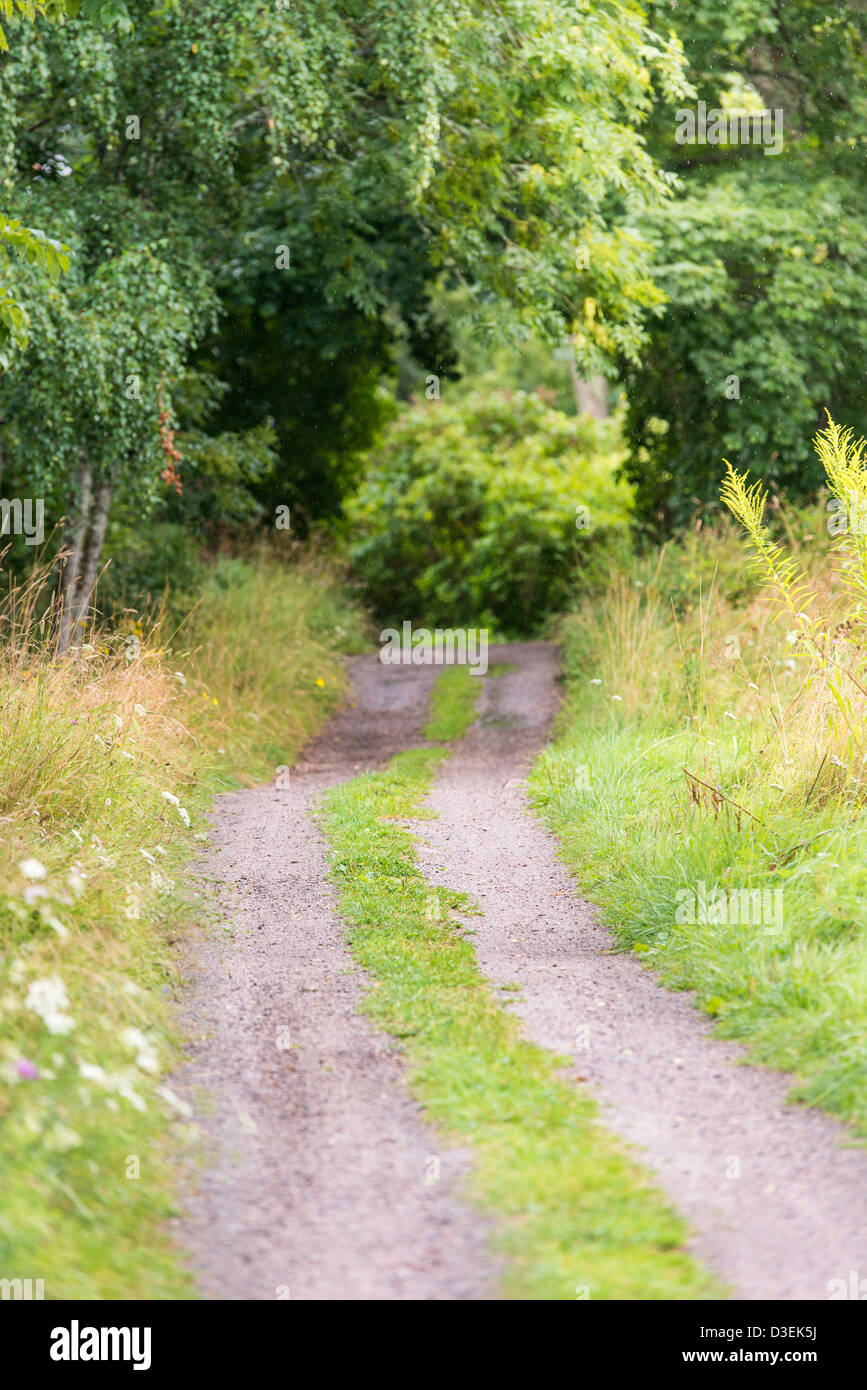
pixel 768 287
pixel 309 366
pixel 99 370
pixel 470 513
pixel 762 259
pixel 379 150
pixel 39 250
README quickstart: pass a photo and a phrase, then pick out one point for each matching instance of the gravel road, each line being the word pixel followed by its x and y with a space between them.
pixel 313 1181
pixel 314 1178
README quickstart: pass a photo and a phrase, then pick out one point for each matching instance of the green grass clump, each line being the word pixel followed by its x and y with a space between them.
pixel 576 1215
pixel 453 704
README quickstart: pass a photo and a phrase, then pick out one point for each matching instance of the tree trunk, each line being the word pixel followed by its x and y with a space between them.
pixel 591 397
pixel 71 573
pixel 90 567
pixel 81 567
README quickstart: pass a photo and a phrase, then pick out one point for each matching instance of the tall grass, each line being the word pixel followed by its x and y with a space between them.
pixel 716 746
pixel 108 758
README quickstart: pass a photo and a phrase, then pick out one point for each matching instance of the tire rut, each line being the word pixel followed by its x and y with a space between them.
pixel 313 1164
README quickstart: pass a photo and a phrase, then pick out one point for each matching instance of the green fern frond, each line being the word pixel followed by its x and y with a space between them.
pixel 747 505
pixel 844 460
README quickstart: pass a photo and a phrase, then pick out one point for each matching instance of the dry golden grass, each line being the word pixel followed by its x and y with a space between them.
pixel 108 758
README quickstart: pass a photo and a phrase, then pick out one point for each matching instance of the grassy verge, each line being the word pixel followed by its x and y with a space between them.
pixel 578 1218
pixel 698 793
pixel 109 760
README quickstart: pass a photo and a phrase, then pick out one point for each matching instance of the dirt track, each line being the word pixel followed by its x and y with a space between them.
pixel 314 1181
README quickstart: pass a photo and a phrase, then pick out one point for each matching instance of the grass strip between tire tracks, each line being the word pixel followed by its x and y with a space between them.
pixel 575 1215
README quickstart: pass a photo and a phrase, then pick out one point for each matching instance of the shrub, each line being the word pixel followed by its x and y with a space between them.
pixel 475 512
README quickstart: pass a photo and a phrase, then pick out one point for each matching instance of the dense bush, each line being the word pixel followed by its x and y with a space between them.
pixel 489 511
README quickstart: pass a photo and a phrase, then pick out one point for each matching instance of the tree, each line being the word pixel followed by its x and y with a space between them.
pixel 40 250
pixel 318 167
pixel 762 260
pixel 90 400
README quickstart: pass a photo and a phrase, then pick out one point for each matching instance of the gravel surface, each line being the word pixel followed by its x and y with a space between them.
pixel 777 1203
pixel 315 1180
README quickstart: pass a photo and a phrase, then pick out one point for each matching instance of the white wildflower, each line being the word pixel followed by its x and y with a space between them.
pixel 125 1090
pixel 91 1071
pixel 182 812
pixel 47 998
pixel 31 868
pixel 75 879
pixel 112 1081
pixel 146 1054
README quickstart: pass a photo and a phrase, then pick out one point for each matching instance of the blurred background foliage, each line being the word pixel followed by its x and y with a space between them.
pixel 294 229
